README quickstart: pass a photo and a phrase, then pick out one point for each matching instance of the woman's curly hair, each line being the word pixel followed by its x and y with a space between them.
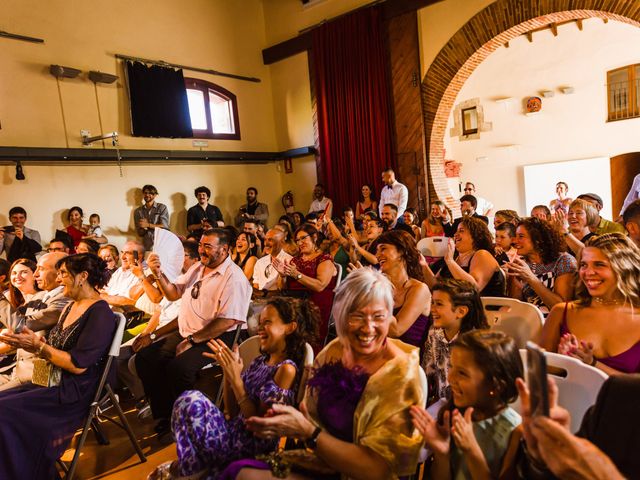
pixel 480 234
pixel 546 240
pixel 406 246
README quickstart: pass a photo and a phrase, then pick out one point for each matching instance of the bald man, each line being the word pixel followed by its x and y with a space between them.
pixel 265 276
pixel 120 290
pixel 40 314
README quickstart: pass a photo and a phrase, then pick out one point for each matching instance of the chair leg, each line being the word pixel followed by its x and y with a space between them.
pixel 101 437
pixel 125 424
pixel 83 437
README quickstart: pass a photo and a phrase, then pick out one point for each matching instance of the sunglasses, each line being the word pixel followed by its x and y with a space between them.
pixel 195 290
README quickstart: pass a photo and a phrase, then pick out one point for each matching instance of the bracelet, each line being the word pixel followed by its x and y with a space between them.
pixel 42 344
pixel 243 399
pixel 594 361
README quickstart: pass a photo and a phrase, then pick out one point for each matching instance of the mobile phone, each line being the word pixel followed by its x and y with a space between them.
pixel 9 229
pixel 537 381
pixel 19 325
pixel 135 255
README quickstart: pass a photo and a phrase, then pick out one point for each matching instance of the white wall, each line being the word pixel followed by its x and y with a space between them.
pixel 569 127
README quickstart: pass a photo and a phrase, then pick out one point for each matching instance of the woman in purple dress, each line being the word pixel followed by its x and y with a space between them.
pixel 602 327
pixel 205 440
pixel 356 419
pixel 38 422
pixel 399 260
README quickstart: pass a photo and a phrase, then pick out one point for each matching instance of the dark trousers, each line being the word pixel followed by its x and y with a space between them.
pixel 165 376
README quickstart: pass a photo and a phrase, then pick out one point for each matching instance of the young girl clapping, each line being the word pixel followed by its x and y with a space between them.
pixel 484 429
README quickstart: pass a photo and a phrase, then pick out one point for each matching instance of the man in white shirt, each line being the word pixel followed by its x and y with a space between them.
pixel 265 276
pixel 633 195
pixel 393 192
pixel 484 207
pixel 320 203
pixel 117 293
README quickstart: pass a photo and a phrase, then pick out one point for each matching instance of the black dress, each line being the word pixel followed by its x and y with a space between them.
pixel 37 423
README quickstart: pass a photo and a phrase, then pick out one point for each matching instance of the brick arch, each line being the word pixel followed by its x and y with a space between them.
pixel 473 43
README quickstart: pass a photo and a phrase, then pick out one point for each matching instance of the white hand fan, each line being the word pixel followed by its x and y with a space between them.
pixel 169 248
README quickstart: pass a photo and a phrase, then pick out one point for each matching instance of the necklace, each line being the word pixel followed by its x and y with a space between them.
pixel 602 301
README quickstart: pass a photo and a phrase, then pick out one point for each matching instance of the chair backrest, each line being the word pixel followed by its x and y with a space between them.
pixel 521 320
pixel 578 384
pixel 338 275
pixel 249 350
pixel 433 246
pixel 114 351
pixel 308 363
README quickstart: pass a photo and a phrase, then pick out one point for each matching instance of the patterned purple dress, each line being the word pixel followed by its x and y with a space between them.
pixel 205 439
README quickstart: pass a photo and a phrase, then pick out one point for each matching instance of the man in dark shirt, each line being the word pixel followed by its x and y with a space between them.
pixel 203 216
pixel 18 240
pixel 389 215
pixel 468 204
pixel 149 216
pixel 252 210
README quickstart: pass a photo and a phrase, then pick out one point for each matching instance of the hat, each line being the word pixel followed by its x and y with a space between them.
pixel 592 196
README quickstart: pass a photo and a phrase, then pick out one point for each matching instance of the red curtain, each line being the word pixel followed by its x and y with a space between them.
pixel 352 94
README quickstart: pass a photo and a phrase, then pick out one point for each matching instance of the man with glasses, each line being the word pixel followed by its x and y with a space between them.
pixel 483 206
pixel 57 245
pixel 215 299
pixel 149 216
pixel 265 276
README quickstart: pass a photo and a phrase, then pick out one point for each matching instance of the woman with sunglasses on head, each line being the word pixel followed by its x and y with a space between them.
pixel 310 274
pixel 22 286
pixel 39 420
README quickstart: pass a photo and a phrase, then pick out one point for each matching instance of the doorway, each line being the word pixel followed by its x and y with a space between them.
pixel 623 170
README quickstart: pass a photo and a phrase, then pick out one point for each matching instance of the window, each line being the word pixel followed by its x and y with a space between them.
pixel 469 121
pixel 623 92
pixel 213 110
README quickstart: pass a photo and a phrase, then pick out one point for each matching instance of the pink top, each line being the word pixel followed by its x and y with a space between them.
pixel 223 293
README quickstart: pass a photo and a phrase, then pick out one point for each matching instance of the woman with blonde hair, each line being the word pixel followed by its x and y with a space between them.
pixel 602 326
pixel 432 226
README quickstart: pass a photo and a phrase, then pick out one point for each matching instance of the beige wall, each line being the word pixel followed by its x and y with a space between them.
pixel 569 127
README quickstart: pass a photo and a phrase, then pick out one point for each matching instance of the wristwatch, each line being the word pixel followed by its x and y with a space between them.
pixel 191 340
pixel 298 276
pixel 312 442
pixel 152 336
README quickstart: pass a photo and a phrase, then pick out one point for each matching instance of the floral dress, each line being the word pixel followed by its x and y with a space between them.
pixel 205 439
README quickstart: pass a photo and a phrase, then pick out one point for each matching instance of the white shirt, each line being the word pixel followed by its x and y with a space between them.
pixel 397 194
pixel 320 206
pixel 121 282
pixel 633 195
pixel 484 205
pixel 264 274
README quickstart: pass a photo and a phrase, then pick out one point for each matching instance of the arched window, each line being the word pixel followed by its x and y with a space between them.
pixel 213 110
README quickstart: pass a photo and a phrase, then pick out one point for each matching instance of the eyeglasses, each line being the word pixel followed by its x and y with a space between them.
pixel 302 239
pixel 268 269
pixel 357 319
pixel 195 290
pixel 57 249
pixel 468 189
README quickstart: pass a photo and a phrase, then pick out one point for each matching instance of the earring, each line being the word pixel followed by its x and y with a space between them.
pixel 491 393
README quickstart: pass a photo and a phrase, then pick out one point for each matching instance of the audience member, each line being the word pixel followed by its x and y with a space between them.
pixel 118 292
pixel 95 230
pixel 62 242
pixel 22 286
pixel 504 249
pixel 207 439
pixel 506 216
pixel 602 326
pixel 399 260
pixel 297 218
pixel 456 308
pixel 310 274
pixel 411 219
pixel 5 266
pixel 366 202
pixel 76 228
pixel 433 225
pixel 75 351
pixel 603 225
pixel 544 276
pixel 149 216
pixel 468 209
pixel 574 226
pixel 252 210
pixel 359 396
pixel 289 244
pixel 40 313
pixel 338 245
pixel 109 253
pixel 203 215
pixel 265 276
pixel 215 300
pixel 17 240
pixel 477 434
pixel 246 253
pixel 88 245
pixel 251 227
pixel 470 257
pixel 541 212
pixel 393 192
pixel 631 220
pixel 389 215
pixel 601 449
pixel 561 202
pixel 366 253
pixel 483 206
pixel 321 204
pixel 632 196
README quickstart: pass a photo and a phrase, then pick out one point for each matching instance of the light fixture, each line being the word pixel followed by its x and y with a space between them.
pixel 86 140
pixel 59 71
pixel 19 172
pixel 547 93
pixel 101 77
pixel 566 90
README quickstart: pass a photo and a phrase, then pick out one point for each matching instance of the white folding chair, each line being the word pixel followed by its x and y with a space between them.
pixel 308 364
pixel 338 275
pixel 520 320
pixel 433 246
pixel 104 392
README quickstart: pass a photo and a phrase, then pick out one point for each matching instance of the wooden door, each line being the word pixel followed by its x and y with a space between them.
pixel 623 170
